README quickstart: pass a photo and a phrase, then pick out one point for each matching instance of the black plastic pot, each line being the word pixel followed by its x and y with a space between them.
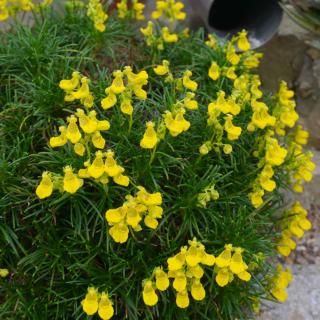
pixel 261 18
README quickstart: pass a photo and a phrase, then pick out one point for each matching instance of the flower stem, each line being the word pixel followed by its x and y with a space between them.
pixel 153 154
pixel 130 123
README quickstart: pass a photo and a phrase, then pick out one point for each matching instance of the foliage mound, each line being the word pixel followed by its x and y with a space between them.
pixel 143 169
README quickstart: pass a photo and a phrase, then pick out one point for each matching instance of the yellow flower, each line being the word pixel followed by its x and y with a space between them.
pixel 4 14
pixel 275 155
pixel 261 118
pixel 136 80
pixel 148 31
pixel 4 273
pixel 126 106
pixel 150 222
pixel 188 101
pixel 167 36
pixel 97 15
pixel 79 149
pixel 286 244
pixel 138 9
pixel 89 123
pixel 83 91
pixel 205 148
pixel 149 199
pixel 117 85
pixel 90 303
pixel 187 82
pixel 231 54
pixel 121 180
pixel 96 169
pixel 72 133
pixel 133 217
pixel 60 140
pixel 150 138
pixel 212 41
pixel 178 124
pixel 256 198
pixel 105 309
pixel 71 182
pixel 214 71
pixel 149 295
pixel 252 60
pixel 114 216
pixel 176 262
pixel 176 11
pixel 139 92
pixel 69 85
pixel 97 140
pixel 243 43
pixel 110 100
pixel 227 148
pixel 162 281
pixel 222 277
pixel 236 264
pixel 111 167
pixel 230 73
pixel 280 294
pixel 233 131
pixel 208 259
pixel 194 255
pixel 162 69
pixel 182 299
pixel 301 136
pixel 119 232
pixel 122 9
pixel 244 275
pixel 45 187
pixel 197 291
pixel 224 258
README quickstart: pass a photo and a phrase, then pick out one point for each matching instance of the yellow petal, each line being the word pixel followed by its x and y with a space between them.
pixel 182 299
pixel 45 187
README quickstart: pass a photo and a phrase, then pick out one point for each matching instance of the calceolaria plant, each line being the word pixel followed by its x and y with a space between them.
pixel 150 183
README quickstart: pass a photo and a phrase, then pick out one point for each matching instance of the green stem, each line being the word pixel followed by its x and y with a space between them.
pixel 153 154
pixel 88 151
pixel 130 123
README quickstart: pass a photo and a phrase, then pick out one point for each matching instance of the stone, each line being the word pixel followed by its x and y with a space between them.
pixel 304 297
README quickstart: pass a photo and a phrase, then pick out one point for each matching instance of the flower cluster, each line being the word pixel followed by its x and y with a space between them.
pixel 274 155
pixel 96 13
pixel 91 128
pixel 82 130
pixel 157 38
pixel 280 282
pixel 143 205
pixel 207 194
pixel 300 166
pixel 295 223
pixel 229 264
pixel 125 92
pixel 101 170
pixel 285 109
pixel 9 8
pixel 70 183
pixel 171 11
pixel 95 302
pixel 125 12
pixel 77 88
pixel 186 270
pixel 174 119
pixel 228 107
